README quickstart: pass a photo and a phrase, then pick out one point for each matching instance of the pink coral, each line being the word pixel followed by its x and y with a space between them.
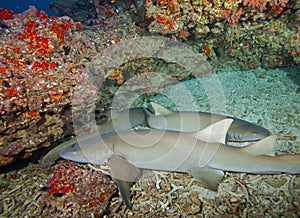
pixel 234 19
pixel 261 4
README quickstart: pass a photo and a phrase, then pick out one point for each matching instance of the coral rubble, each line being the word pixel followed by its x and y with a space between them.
pixel 84 193
pixel 66 190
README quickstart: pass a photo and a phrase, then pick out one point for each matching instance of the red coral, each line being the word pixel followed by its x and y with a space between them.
pixel 11 92
pixel 2 69
pixel 6 14
pixel 78 26
pixel 42 16
pixel 276 5
pixel 60 182
pixel 172 6
pixel 61 28
pixel 85 188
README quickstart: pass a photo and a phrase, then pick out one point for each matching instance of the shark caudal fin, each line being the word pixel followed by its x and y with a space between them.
pixel 216 132
pixel 264 146
pixel 124 175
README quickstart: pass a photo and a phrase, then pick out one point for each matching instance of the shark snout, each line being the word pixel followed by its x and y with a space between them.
pixel 73 153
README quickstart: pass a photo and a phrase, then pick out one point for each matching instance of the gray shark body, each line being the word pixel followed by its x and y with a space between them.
pixel 203 155
pixel 190 121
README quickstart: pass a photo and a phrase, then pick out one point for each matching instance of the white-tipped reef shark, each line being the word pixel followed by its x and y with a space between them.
pixel 162 118
pixel 190 121
pixel 202 154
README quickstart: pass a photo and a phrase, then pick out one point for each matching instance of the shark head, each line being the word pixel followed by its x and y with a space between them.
pixel 241 130
pixel 74 153
pixel 87 150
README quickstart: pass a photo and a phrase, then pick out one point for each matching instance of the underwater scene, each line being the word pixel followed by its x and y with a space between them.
pixel 153 108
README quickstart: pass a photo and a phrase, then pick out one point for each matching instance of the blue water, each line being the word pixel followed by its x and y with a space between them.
pixel 22 5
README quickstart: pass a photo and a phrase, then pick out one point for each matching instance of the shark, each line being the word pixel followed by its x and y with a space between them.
pixel 190 121
pixel 202 154
pixel 162 118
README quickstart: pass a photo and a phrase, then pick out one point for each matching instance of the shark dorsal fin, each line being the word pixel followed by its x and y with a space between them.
pixel 124 174
pixel 160 110
pixel 216 132
pixel 262 147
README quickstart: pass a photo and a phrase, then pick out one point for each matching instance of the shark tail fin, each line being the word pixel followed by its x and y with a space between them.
pixel 264 146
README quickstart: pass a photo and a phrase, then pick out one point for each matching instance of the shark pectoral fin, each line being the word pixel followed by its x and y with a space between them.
pixel 216 132
pixel 124 189
pixel 264 146
pixel 124 174
pixel 160 110
pixel 210 178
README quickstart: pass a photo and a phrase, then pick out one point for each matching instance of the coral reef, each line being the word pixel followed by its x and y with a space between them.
pixel 6 14
pixel 38 69
pixel 41 62
pixel 242 33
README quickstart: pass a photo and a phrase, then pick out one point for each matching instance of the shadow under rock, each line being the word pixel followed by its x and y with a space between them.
pixel 294 74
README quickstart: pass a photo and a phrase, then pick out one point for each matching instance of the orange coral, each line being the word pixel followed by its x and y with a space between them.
pixel 260 4
pixel 278 5
pixel 234 19
pixel 206 49
pixel 164 21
